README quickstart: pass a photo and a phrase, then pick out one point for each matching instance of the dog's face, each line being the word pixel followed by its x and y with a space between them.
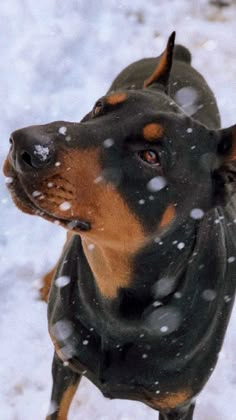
pixel 134 164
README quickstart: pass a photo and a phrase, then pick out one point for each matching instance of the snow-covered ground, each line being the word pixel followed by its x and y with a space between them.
pixel 56 58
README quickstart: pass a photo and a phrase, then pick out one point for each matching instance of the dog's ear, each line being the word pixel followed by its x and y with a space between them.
pixel 162 71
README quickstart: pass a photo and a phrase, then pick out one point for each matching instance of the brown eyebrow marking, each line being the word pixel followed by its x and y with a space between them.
pixel 167 216
pixel 116 98
pixel 153 131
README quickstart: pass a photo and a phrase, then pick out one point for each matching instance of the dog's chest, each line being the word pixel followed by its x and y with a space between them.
pixel 128 371
pixel 145 368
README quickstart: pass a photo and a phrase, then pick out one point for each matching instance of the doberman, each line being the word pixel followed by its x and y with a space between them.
pixel 144 184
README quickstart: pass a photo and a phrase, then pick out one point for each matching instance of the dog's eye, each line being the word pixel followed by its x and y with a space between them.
pixel 149 156
pixel 97 108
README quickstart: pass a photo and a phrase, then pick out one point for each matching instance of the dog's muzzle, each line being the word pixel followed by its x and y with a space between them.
pixel 31 150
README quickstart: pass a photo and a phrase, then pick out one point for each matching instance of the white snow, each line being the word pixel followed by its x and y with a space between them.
pixel 187 97
pixel 62 329
pixel 63 130
pixel 62 281
pixel 41 152
pixel 65 206
pixel 209 295
pixel 8 179
pixel 156 184
pixel 197 213
pixel 57 59
pixel 36 193
pixel 108 143
pixel 180 245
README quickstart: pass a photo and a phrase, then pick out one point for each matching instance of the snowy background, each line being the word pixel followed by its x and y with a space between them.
pixel 56 58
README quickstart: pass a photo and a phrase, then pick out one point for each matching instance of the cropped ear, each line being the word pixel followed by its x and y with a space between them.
pixel 162 71
pixel 226 148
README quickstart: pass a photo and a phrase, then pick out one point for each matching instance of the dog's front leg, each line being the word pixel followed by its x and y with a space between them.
pixel 181 413
pixel 65 383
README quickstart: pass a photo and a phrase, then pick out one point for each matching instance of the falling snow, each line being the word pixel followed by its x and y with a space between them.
pixel 62 281
pixel 62 130
pixel 62 330
pixel 187 97
pixel 180 245
pixel 36 193
pixel 164 287
pixel 65 206
pixel 197 213
pixel 8 179
pixel 156 184
pixel 164 320
pixel 209 295
pixel 108 143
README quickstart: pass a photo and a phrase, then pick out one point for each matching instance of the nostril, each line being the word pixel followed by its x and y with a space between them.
pixel 31 150
pixel 27 158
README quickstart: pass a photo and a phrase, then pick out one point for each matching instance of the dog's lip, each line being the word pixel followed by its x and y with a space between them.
pixel 71 224
pixel 15 185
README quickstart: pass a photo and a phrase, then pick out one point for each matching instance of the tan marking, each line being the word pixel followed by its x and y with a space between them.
pixel 115 246
pixel 112 270
pixel 153 131
pixel 163 67
pixel 167 216
pixel 66 401
pixel 116 232
pixel 17 193
pixel 46 284
pixel 159 70
pixel 116 98
pixel 171 400
pixel 7 170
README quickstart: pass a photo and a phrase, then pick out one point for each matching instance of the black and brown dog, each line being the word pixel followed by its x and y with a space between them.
pixel 144 184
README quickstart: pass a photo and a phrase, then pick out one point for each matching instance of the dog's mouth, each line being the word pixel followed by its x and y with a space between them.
pixel 25 202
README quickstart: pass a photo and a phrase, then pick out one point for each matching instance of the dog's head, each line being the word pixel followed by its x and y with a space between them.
pixel 132 168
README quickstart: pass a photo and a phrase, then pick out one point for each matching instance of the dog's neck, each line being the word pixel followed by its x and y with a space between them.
pixel 110 266
pixel 123 275
pixel 137 310
pixel 138 306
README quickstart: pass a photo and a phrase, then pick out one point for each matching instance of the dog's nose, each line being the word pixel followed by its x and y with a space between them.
pixel 31 149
